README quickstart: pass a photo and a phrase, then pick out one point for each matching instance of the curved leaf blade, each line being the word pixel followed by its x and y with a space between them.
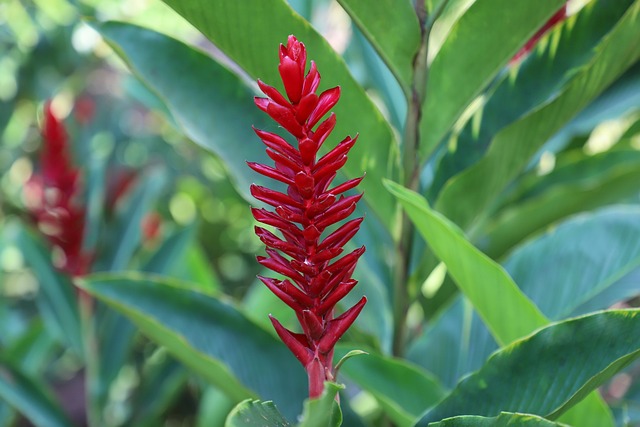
pixel 466 196
pixel 550 371
pixel 250 413
pixel 209 335
pixel 507 312
pixel 505 27
pixel 398 47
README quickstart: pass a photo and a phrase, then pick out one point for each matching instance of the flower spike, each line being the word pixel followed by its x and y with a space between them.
pixel 317 278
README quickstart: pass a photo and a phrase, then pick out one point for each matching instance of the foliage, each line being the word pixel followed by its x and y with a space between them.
pixel 501 213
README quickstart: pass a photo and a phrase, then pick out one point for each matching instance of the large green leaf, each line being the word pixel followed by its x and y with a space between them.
pixel 505 419
pixel 209 335
pixel 526 86
pixel 466 196
pixel 575 265
pixel 30 397
pixel 398 47
pixel 245 32
pixel 548 372
pixel 585 183
pixel 504 27
pixel 403 390
pixel 507 312
pixel 323 411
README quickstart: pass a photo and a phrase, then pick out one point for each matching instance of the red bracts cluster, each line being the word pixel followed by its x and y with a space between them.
pixel 315 280
pixel 558 17
pixel 51 198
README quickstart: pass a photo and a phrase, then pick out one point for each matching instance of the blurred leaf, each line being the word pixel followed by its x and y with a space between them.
pixel 127 236
pixel 30 397
pixel 451 87
pixel 214 408
pixel 466 196
pixel 542 74
pixel 56 299
pixel 581 185
pixel 245 32
pixel 579 261
pixel 507 312
pixel 210 336
pixel 403 390
pixel 251 413
pixel 548 372
pixel 398 47
pixel 323 411
pixel 505 419
pixel 171 251
pixel 195 268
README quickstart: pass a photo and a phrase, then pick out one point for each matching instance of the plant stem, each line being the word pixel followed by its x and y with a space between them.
pixel 90 346
pixel 411 168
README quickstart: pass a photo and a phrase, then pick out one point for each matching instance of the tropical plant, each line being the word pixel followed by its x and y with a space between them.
pixel 501 217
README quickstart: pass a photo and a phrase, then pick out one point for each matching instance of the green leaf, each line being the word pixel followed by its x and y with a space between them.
pixel 252 413
pixel 467 195
pixel 56 299
pixel 505 419
pixel 214 408
pixel 583 184
pixel 403 390
pixel 208 335
pixel 398 47
pixel 30 397
pixel 505 27
pixel 548 372
pixel 507 312
pixel 171 251
pixel 323 411
pixel 587 263
pixel 245 32
pixel 545 71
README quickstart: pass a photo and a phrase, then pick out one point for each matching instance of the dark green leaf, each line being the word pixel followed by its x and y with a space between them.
pixel 505 419
pixel 210 336
pixel 548 372
pixel 505 27
pixel 251 413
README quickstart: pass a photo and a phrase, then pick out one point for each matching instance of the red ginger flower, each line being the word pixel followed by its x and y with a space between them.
pixel 51 197
pixel 315 281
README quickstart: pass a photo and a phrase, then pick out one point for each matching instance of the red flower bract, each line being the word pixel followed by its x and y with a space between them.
pixel 315 280
pixel 51 198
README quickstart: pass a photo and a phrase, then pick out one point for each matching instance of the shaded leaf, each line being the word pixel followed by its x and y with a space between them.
pixel 505 419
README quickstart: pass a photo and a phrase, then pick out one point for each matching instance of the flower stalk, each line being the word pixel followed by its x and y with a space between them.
pixel 307 254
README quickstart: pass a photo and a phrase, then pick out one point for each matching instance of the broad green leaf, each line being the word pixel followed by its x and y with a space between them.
pixel 398 47
pixel 586 184
pixel 402 389
pixel 542 74
pixel 214 408
pixel 246 33
pixel 466 196
pixel 208 335
pixel 251 413
pixel 29 397
pixel 453 344
pixel 504 27
pixel 575 264
pixel 505 419
pixel 323 411
pixel 213 106
pixel 548 372
pixel 507 312
pixel 56 299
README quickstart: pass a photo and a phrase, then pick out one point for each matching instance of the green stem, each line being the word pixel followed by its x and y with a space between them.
pixel 411 168
pixel 91 360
